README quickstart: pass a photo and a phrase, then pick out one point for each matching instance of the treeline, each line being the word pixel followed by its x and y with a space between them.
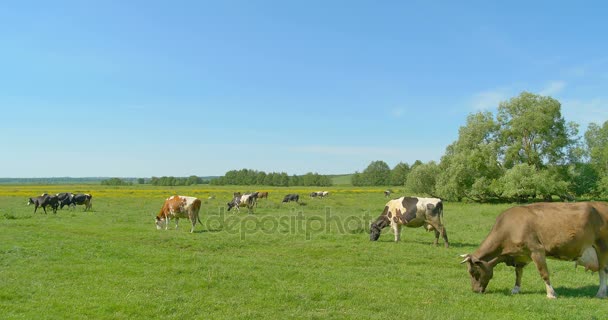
pixel 247 177
pixel 527 151
pixel 51 180
pixel 156 181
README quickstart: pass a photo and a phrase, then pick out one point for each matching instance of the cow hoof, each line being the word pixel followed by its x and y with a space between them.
pixel 551 297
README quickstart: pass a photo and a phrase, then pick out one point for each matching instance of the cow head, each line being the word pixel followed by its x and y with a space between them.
pixel 376 228
pixel 481 272
pixel 30 201
pixel 160 223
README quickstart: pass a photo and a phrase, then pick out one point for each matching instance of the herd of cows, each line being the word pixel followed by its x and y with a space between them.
pixel 60 200
pixel 575 231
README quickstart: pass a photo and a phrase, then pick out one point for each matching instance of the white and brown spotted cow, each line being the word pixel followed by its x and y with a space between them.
pixel 413 213
pixel 179 207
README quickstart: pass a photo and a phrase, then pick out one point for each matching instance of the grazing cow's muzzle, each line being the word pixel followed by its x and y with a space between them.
pixel 374 232
pixel 159 223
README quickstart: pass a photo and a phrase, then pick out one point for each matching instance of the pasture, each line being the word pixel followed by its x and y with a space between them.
pixel 311 260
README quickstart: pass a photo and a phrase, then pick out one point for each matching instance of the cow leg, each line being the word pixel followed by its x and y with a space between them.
pixel 519 270
pixel 44 208
pixel 397 230
pixel 176 222
pixel 601 292
pixel 541 264
pixel 436 242
pixel 444 235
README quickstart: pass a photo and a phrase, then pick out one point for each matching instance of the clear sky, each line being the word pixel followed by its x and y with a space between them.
pixel 152 88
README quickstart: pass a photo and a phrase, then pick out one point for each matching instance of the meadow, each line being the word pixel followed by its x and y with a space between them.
pixel 311 260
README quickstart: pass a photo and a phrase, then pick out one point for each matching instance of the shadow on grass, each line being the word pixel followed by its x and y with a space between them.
pixel 208 231
pixel 574 292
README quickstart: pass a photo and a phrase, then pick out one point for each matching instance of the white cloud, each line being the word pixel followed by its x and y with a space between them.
pixel 488 99
pixel 584 112
pixel 553 88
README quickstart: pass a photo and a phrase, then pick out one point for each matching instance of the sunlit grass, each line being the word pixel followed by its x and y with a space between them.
pixel 308 260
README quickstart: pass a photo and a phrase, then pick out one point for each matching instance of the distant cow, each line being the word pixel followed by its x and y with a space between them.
pixel 411 212
pixel 387 193
pixel 246 200
pixel 43 201
pixel 263 195
pixel 179 207
pixel 565 231
pixel 65 199
pixel 85 199
pixel 319 194
pixel 291 197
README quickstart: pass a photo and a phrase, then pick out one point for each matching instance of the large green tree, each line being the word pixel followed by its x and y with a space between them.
pixel 533 131
pixel 399 174
pixel 422 179
pixel 596 139
pixel 377 173
pixel 471 163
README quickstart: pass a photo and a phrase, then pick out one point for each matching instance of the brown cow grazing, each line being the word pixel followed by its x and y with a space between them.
pixel 262 195
pixel 413 213
pixel 564 231
pixel 179 207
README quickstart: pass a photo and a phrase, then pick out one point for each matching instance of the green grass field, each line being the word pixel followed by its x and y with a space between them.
pixel 308 261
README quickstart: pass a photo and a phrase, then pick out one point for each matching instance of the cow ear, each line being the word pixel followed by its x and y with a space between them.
pixel 430 206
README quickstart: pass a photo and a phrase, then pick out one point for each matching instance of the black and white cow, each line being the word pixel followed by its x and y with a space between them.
pixel 85 199
pixel 320 194
pixel 291 197
pixel 43 201
pixel 65 199
pixel 412 213
pixel 246 200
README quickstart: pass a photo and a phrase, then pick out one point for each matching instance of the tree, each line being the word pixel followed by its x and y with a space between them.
pixel 399 174
pixel 471 163
pixel 596 139
pixel 141 181
pixel 422 179
pixel 377 173
pixel 533 131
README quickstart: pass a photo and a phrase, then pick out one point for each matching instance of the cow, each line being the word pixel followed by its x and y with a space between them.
pixel 320 194
pixel 387 193
pixel 564 231
pixel 65 199
pixel 43 201
pixel 291 197
pixel 263 195
pixel 246 200
pixel 179 207
pixel 411 212
pixel 85 199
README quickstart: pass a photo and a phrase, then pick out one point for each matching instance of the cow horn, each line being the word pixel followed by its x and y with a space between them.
pixel 466 257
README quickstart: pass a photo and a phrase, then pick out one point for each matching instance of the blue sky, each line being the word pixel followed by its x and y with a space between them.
pixel 153 88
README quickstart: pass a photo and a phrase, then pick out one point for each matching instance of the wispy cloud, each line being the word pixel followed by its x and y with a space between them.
pixel 584 112
pixel 348 150
pixel 398 112
pixel 553 88
pixel 488 99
